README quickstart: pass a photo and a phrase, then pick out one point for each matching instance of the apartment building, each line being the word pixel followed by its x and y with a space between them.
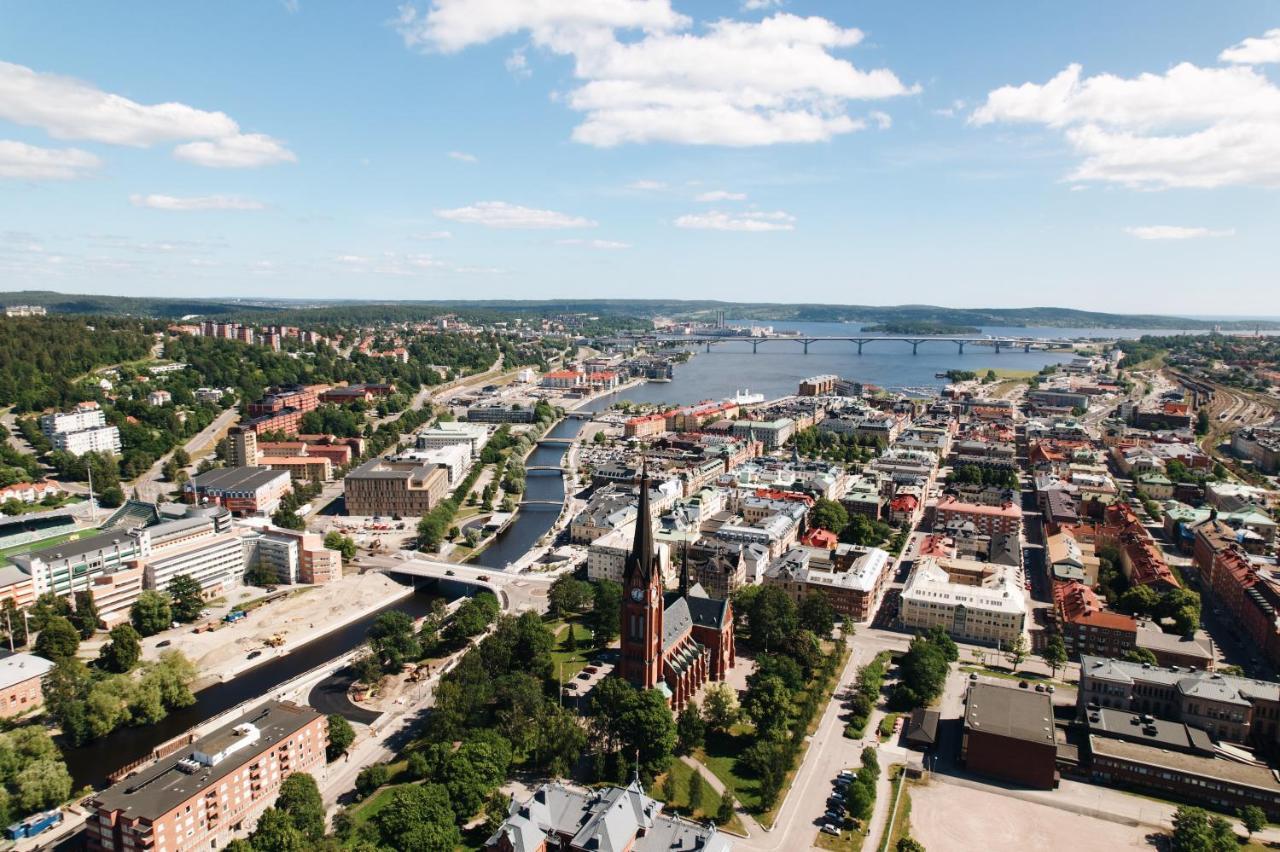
pixel 81 430
pixel 852 578
pixel 972 601
pixel 297 397
pixel 989 520
pixel 198 796
pixel 214 560
pixel 242 447
pixel 383 487
pixel 292 556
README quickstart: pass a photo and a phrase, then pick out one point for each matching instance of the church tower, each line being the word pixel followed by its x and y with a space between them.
pixel 642 602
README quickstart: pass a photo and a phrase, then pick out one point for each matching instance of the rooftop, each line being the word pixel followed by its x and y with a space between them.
pixel 16 668
pixel 1212 768
pixel 237 478
pixel 1010 712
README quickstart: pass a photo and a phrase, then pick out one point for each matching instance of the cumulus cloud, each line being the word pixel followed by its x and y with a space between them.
pixel 463 156
pixel 29 162
pixel 67 108
pixel 595 244
pixel 1188 127
pixel 1174 232
pixel 882 119
pixel 500 214
pixel 1255 51
pixel 735 83
pixel 721 195
pixel 199 202
pixel 716 220
pixel 757 5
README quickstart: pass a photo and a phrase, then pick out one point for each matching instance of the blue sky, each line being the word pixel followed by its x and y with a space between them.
pixel 876 153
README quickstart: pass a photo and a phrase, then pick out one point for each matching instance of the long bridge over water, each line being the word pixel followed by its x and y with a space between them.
pixel 1026 344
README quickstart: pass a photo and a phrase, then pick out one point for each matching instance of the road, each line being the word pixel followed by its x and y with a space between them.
pixel 519 592
pixel 149 486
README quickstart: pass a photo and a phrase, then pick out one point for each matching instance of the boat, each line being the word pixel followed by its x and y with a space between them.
pixel 746 397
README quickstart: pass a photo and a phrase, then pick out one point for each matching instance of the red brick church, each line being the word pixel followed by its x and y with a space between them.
pixel 672 641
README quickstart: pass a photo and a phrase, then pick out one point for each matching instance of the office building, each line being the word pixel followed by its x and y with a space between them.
pixel 200 794
pixel 972 601
pixel 384 487
pixel 471 435
pixel 1009 735
pixel 242 490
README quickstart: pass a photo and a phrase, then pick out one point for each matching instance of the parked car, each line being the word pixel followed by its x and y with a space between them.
pixel 1039 687
pixel 973 675
pixel 1023 684
pixel 253 655
pixel 449 573
pixel 483 578
pixel 833 830
pixel 164 643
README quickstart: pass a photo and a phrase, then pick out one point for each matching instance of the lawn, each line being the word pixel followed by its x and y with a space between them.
pixel 902 817
pixel 43 543
pixel 680 802
pixel 1030 677
pixel 720 755
pixel 886 726
pixel 567 663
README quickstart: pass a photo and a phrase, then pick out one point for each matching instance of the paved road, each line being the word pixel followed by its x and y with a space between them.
pixel 149 486
pixel 522 591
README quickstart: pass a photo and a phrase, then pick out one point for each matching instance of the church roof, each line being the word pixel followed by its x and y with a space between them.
pixel 694 608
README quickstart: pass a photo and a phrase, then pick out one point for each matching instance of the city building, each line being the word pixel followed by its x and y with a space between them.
pixel 1087 627
pixel 383 487
pixel 818 385
pixel 242 490
pixel 852 578
pixel 22 683
pixel 242 447
pixel 292 556
pixel 302 468
pixel 456 459
pixel 194 547
pixel 82 430
pixel 1009 735
pixel 610 819
pixel 296 397
pixel 159 397
pixel 972 601
pixel 471 435
pixel 772 433
pixel 202 793
pixel 30 492
pixel 989 520
pixel 346 394
pixel 73 565
pixel 25 310
pixel 671 641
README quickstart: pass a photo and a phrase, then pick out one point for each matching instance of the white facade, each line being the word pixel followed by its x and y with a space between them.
pixel 216 563
pixel 86 415
pixel 471 435
pixel 972 601
pixel 103 439
pixel 454 457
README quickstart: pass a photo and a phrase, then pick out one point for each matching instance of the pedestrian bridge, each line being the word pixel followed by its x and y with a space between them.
pixel 1026 344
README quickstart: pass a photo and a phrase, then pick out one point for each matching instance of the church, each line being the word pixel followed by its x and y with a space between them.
pixel 671 641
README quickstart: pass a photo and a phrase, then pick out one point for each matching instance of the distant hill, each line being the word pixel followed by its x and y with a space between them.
pixel 370 309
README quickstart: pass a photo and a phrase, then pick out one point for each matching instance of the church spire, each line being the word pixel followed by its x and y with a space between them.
pixel 684 570
pixel 641 558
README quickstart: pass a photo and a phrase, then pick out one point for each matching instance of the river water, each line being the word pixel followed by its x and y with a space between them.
pixel 91 763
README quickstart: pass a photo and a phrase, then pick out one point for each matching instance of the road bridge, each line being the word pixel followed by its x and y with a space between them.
pixel 561 442
pixel 1026 344
pixel 519 591
pixel 546 468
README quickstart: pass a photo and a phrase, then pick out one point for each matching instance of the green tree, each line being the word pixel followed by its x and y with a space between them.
pixel 300 798
pixel 418 817
pixel 696 785
pixel 124 650
pixel 669 788
pixel 1253 818
pixel 829 515
pixel 909 844
pixel 341 736
pixel 816 613
pixel 772 618
pixel 720 707
pixel 768 704
pixel 606 612
pixel 392 639
pixel 724 814
pixel 1017 651
pixel 85 615
pixel 151 613
pixel 345 545
pixel 42 784
pixel 188 598
pixel 1054 653
pixel 277 832
pixel 14 624
pixel 568 595
pixel 59 640
pixel 690 729
pixel 371 778
pixel 1195 831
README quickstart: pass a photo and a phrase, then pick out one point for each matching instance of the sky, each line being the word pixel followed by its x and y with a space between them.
pixel 1096 155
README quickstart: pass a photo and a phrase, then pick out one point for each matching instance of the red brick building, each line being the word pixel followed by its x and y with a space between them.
pixel 989 520
pixel 1088 627
pixel 21 683
pixel 1009 735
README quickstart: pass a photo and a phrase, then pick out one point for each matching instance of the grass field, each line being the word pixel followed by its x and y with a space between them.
pixel 902 817
pixel 568 663
pixel 682 772
pixel 48 542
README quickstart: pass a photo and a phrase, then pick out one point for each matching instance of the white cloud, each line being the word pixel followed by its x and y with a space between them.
pixel 1174 232
pixel 955 108
pixel 716 220
pixel 1254 51
pixel 1187 127
pixel 595 244
pixel 291 6
pixel 647 185
pixel 736 83
pixel 200 202
pixel 518 64
pixel 721 195
pixel 19 160
pixel 67 108
pixel 882 119
pixel 463 156
pixel 434 235
pixel 245 150
pixel 500 214
pixel 757 5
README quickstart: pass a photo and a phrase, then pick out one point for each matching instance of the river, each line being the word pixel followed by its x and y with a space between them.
pixel 90 763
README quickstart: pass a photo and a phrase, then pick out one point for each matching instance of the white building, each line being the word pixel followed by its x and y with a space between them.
pixel 454 457
pixel 81 430
pixel 471 435
pixel 607 556
pixel 973 601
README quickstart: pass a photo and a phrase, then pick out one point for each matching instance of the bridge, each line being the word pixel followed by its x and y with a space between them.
pixel 999 343
pixel 546 468
pixel 562 442
pixel 579 415
pixel 518 591
pixel 556 503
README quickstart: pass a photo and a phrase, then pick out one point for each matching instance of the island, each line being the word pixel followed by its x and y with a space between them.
pixel 921 327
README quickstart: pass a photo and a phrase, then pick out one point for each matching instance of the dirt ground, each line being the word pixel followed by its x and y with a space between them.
pixel 950 817
pixel 307 613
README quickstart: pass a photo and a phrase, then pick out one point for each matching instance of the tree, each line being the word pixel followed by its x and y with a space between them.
pixel 1055 653
pixel 695 791
pixel 690 729
pixel 606 612
pixel 1253 818
pixel 772 618
pixel 124 650
pixel 392 640
pixel 568 595
pixel 669 787
pixel 300 798
pixel 418 817
pixel 188 598
pixel 371 778
pixel 724 814
pixel 59 640
pixel 829 515
pixel 816 613
pixel 85 615
pixel 14 624
pixel 720 707
pixel 768 704
pixel 1017 651
pixel 1139 600
pixel 344 544
pixel 1141 655
pixel 277 832
pixel 42 784
pixel 341 736
pixel 151 613
pixel 1195 831
pixel 909 844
